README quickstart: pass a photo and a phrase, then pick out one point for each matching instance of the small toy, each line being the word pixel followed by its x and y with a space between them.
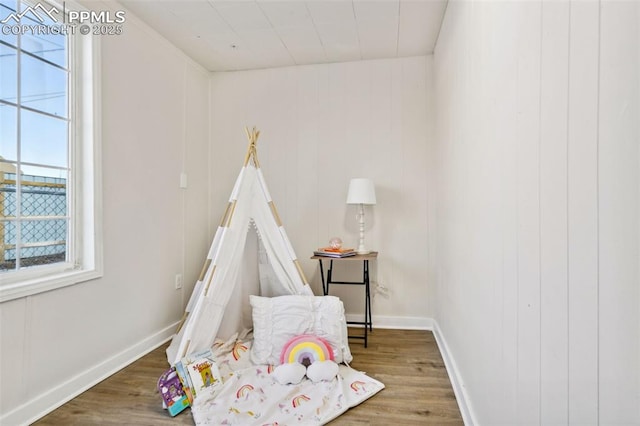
pixel 173 396
pixel 335 243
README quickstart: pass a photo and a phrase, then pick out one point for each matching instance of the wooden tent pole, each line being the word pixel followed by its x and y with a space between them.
pixel 300 271
pixel 182 321
pixel 251 150
pixel 247 157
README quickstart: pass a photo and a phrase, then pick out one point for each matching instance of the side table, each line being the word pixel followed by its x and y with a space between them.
pixel 364 258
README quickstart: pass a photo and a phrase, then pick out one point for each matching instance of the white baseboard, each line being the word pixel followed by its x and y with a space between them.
pixel 468 416
pixel 404 323
pixel 44 403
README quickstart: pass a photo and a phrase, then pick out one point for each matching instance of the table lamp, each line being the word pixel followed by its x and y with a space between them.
pixel 361 192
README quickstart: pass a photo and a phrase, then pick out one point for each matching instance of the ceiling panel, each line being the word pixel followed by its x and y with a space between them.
pixel 377 23
pixel 323 12
pixel 376 10
pixel 244 34
pixel 303 44
pixel 340 42
pixel 188 8
pixel 286 13
pixel 420 23
pixel 243 15
pixel 379 40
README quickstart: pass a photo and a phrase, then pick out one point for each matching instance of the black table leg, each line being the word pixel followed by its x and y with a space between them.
pixel 325 290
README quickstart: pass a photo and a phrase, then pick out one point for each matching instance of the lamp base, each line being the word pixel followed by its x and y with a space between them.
pixel 361 248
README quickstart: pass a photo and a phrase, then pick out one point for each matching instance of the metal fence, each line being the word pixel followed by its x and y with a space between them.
pixel 42 222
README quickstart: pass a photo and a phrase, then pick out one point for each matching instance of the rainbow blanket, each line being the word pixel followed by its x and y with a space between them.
pixel 250 396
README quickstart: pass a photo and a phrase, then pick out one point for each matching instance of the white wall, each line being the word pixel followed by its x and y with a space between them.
pixel 320 126
pixel 155 125
pixel 538 217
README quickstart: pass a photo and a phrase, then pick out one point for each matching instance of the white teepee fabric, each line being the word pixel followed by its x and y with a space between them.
pixel 225 274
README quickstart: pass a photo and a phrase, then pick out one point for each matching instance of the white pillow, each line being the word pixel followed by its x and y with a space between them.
pixel 290 373
pixel 276 320
pixel 322 371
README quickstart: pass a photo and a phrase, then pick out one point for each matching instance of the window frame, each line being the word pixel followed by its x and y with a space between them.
pixel 84 178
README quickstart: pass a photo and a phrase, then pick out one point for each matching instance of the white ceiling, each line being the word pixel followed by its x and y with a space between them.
pixel 249 34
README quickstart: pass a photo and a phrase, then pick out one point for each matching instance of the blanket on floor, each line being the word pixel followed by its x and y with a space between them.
pixel 251 396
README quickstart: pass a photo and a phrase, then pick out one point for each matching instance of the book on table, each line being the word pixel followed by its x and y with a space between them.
pixel 333 252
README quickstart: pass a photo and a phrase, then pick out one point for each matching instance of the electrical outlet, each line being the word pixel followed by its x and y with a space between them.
pixel 178 281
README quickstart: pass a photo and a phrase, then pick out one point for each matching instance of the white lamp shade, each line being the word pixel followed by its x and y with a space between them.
pixel 361 191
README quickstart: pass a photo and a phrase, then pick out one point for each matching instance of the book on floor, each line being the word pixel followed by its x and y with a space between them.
pixel 198 371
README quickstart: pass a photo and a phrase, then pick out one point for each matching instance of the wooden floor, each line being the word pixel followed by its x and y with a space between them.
pixel 408 362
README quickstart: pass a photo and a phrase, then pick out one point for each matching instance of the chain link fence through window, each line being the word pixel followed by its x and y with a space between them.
pixel 37 233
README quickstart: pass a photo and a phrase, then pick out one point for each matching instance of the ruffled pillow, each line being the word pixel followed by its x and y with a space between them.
pixel 276 320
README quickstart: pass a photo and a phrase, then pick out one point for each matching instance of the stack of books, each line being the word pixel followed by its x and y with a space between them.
pixel 198 371
pixel 333 252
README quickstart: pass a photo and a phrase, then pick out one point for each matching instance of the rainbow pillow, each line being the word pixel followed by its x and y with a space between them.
pixel 306 349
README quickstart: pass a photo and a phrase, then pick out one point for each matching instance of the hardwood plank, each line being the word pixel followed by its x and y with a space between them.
pixel 408 362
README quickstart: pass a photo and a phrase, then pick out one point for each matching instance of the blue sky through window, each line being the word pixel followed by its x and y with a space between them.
pixel 41 61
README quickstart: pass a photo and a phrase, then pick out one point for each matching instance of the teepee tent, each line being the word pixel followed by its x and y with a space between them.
pixel 235 268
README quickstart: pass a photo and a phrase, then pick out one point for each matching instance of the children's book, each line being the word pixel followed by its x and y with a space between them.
pixel 199 371
pixel 174 398
pixel 185 380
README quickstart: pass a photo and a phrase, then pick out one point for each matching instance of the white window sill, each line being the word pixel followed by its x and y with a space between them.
pixel 50 282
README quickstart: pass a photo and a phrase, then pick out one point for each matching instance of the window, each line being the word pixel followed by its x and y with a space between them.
pixel 49 232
